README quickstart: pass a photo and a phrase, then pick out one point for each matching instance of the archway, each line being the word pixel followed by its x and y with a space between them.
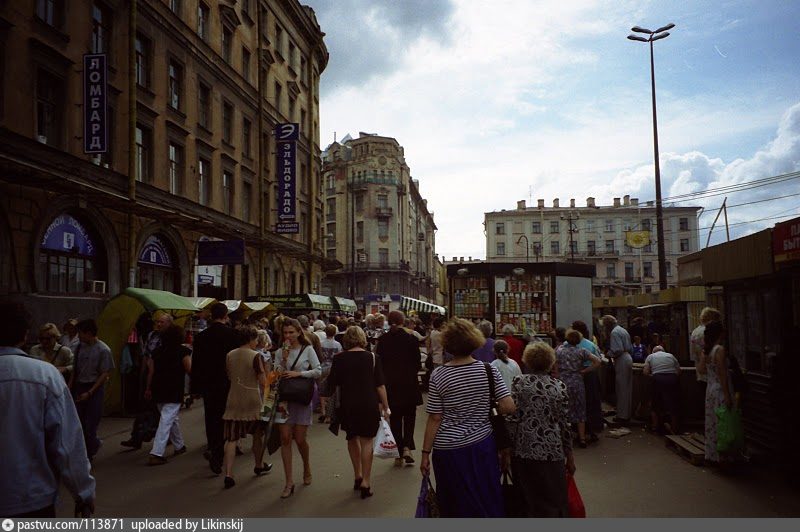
pixel 72 257
pixel 162 261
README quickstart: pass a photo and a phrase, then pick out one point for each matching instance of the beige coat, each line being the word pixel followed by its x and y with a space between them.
pixel 244 397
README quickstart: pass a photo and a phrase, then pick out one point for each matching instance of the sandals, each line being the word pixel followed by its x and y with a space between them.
pixel 288 491
pixel 357 484
pixel 307 479
pixel 366 492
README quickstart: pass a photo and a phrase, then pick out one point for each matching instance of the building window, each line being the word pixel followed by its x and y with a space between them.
pixel 245 64
pixel 611 270
pixel 647 269
pixel 609 246
pixel 383 257
pixel 360 231
pixel 143 151
pixel 175 168
pixel 175 85
pixel 292 105
pixel 246 8
pixel 537 249
pixel 683 224
pixel 628 271
pixel 70 257
pixel 247 194
pixel 203 181
pixel 359 202
pixel 227 44
pixel 573 247
pixel 203 16
pixel 142 61
pixel 627 225
pixel 591 247
pixel 609 226
pixel 101 29
pixel 292 56
pixel 227 192
pixel 626 248
pixel 501 248
pixel 500 229
pixel 383 228
pixel 555 248
pixel 598 291
pixel 669 269
pixel 279 40
pixel 684 244
pixel 536 228
pixel 50 11
pixel 648 248
pixel 175 6
pixel 383 201
pixel 48 108
pixel 646 224
pixel 278 96
pixel 204 106
pixel 227 122
pixel 246 137
pixel 589 226
pixel 554 227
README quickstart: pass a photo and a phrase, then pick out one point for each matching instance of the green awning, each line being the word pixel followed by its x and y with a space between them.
pixel 300 302
pixel 202 302
pixel 343 304
pixel 153 300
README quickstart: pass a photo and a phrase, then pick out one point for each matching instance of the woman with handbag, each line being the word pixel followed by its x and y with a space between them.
pixel 460 433
pixel 359 376
pixel 542 437
pixel 299 366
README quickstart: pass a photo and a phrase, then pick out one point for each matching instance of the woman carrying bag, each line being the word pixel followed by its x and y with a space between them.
pixel 298 365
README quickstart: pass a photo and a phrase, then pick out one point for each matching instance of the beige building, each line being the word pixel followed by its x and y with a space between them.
pixel 377 224
pixel 598 237
pixel 193 99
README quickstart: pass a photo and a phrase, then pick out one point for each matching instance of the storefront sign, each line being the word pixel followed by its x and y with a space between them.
pixel 786 242
pixel 155 253
pixel 287 228
pixel 286 136
pixel 220 252
pixel 205 279
pixel 65 233
pixel 95 104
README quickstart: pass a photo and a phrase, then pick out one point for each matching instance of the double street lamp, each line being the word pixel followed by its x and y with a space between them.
pixel 660 33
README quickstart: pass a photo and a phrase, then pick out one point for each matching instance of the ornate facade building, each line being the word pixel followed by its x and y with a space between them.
pixel 195 89
pixel 377 224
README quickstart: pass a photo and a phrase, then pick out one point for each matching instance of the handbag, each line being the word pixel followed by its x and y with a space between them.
pixel 513 498
pixel 730 434
pixel 574 500
pixel 427 503
pixel 299 389
pixel 501 437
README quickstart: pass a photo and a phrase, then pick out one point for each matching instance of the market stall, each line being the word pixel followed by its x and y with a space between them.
pixel 343 305
pixel 295 304
pixel 408 304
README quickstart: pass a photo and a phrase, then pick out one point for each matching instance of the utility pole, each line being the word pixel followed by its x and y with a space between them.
pixel 352 194
pixel 572 229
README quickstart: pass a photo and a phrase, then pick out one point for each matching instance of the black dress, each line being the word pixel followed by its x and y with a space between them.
pixel 357 374
pixel 168 374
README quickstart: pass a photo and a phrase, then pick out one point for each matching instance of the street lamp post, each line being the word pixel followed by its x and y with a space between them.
pixel 527 247
pixel 660 33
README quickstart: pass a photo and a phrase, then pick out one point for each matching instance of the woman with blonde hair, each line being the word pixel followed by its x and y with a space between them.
pixel 541 435
pixel 458 433
pixel 50 350
pixel 359 376
pixel 296 359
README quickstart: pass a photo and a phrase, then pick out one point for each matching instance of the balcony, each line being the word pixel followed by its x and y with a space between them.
pixel 632 279
pixel 600 254
pixel 331 191
pixel 383 266
pixel 383 212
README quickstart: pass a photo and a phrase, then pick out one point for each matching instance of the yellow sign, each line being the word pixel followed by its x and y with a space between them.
pixel 637 239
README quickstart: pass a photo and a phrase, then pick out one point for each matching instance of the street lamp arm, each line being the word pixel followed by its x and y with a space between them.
pixel 639 29
pixel 665 28
pixel 637 38
pixel 662 36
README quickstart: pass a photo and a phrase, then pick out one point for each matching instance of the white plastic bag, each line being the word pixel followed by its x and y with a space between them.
pixel 385 446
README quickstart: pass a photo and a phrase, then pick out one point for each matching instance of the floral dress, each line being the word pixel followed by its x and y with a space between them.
pixel 715 398
pixel 570 359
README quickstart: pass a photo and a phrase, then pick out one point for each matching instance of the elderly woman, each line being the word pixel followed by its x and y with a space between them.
pixel 50 350
pixel 359 376
pixel 571 369
pixel 542 438
pixel 485 353
pixel 459 433
pixel 591 381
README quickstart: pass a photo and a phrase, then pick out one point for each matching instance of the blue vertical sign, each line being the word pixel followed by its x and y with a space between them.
pixel 286 136
pixel 95 104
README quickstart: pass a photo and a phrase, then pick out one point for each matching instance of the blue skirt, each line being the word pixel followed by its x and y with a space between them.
pixel 468 480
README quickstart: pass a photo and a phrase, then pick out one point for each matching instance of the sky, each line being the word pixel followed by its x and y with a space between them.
pixel 503 100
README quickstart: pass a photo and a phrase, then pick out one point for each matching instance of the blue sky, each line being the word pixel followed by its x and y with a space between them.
pixel 507 95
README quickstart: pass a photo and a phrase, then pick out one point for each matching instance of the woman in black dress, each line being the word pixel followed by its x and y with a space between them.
pixel 359 376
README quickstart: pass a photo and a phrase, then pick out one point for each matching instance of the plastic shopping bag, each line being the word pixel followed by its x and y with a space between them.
pixel 576 507
pixel 730 434
pixel 427 504
pixel 385 446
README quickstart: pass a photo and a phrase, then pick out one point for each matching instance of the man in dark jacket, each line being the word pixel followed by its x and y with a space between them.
pixel 210 378
pixel 401 360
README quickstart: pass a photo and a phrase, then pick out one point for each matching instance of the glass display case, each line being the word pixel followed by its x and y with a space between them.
pixel 471 297
pixel 523 301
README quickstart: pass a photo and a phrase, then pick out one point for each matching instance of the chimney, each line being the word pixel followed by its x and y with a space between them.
pixel 572 203
pixel 626 200
pixel 650 203
pixel 555 203
pixel 470 259
pixel 455 259
pixel 541 203
pixel 590 202
pixel 616 202
pixel 634 202
pixel 462 259
pixel 521 205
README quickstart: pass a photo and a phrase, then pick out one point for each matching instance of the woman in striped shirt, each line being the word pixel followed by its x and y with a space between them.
pixel 465 458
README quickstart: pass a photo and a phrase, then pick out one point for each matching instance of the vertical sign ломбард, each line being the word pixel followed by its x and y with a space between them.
pixel 95 104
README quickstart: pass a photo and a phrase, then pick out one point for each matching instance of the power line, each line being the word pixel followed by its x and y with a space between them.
pixel 730 189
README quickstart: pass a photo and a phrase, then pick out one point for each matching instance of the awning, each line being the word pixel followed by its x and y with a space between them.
pixel 653 306
pixel 248 307
pixel 409 303
pixel 343 304
pixel 300 302
pixel 202 302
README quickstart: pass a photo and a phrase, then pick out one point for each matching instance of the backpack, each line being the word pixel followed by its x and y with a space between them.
pixel 738 380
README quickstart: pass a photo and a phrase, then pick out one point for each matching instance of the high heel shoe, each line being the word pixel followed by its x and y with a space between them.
pixel 357 484
pixel 366 492
pixel 307 479
pixel 229 482
pixel 288 491
pixel 263 469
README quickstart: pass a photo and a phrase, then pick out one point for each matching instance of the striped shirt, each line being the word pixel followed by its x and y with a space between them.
pixel 461 395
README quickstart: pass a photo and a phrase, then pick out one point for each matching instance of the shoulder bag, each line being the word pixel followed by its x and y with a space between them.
pixel 298 389
pixel 501 437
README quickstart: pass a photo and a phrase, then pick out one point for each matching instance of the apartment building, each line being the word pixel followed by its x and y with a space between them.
pixel 619 239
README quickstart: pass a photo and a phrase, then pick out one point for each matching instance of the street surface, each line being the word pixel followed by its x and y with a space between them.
pixel 633 476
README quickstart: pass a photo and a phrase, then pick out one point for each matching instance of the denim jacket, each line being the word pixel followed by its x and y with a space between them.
pixel 42 438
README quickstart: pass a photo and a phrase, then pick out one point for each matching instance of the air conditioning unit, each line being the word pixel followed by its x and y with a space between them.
pixel 98 287
pixel 42 139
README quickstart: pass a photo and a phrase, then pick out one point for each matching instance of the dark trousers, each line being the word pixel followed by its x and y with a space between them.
pixel 146 422
pixel 214 408
pixel 402 424
pixel 90 412
pixel 544 486
pixel 49 511
pixel 594 408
